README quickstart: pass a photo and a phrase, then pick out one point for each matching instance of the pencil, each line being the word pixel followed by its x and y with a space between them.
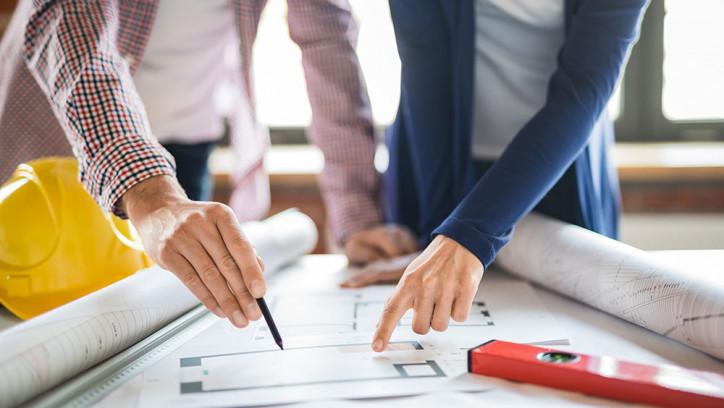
pixel 270 322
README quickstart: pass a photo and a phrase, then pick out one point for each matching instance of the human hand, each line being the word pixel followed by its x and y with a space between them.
pixel 382 271
pixel 202 244
pixel 439 284
pixel 380 242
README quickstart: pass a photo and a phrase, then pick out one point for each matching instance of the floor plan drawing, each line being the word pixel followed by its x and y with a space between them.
pixel 310 367
pixel 336 312
pixel 327 353
pixel 266 368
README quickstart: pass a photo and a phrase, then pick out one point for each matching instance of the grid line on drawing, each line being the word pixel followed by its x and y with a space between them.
pixel 321 315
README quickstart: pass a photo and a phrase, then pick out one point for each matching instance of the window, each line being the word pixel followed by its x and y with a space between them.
pixel 693 87
pixel 279 78
pixel 673 89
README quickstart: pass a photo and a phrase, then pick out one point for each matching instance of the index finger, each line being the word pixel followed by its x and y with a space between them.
pixel 395 307
pixel 243 253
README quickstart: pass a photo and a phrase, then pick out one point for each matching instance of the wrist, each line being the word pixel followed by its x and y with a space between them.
pixel 150 195
pixel 458 249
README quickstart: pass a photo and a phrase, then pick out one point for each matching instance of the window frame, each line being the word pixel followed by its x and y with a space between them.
pixel 641 117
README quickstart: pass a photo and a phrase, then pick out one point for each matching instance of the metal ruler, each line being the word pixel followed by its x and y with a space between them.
pixel 95 383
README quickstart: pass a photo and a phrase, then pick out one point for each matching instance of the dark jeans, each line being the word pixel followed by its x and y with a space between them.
pixel 560 202
pixel 192 168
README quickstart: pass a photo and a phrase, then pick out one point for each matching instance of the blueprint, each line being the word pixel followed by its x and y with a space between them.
pixel 684 304
pixel 58 345
pixel 327 333
pixel 53 347
pixel 309 368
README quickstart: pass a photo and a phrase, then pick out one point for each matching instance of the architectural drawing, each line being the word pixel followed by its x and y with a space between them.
pixel 344 312
pixel 266 368
pixel 327 335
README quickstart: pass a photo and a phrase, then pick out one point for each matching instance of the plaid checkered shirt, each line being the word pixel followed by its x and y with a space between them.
pixel 66 74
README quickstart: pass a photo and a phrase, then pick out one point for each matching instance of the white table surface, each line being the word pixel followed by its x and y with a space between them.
pixel 592 332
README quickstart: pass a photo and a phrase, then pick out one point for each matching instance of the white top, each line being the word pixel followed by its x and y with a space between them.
pixel 516 49
pixel 182 68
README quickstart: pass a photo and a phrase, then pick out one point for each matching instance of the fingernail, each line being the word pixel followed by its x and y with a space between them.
pixel 220 313
pixel 239 319
pixel 377 345
pixel 257 288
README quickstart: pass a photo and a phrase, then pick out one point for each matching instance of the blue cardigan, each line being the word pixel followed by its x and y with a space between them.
pixel 430 184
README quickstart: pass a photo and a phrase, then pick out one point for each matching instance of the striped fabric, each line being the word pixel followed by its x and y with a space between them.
pixel 67 75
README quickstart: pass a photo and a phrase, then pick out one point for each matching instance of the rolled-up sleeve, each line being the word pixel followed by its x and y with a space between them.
pixel 70 49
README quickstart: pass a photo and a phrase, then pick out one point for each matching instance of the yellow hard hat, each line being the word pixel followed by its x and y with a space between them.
pixel 56 244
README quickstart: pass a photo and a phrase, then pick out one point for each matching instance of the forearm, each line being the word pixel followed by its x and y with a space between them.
pixel 351 197
pixel 70 49
pixel 341 116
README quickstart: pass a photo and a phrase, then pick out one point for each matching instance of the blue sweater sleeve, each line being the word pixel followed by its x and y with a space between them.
pixel 595 50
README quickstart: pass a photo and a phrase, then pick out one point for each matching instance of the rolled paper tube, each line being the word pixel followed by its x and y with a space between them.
pixel 48 349
pixel 684 305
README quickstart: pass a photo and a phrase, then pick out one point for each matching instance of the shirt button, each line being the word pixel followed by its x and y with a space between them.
pixel 130 59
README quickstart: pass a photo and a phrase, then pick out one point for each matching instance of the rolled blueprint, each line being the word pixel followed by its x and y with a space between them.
pixel 55 346
pixel 684 305
pixel 282 238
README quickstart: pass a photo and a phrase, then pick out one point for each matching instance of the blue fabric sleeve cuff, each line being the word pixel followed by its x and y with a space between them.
pixel 482 245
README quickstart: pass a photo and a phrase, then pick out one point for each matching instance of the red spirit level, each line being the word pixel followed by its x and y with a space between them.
pixel 663 385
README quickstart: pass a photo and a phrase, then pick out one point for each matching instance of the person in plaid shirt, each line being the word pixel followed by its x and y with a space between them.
pixel 68 71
